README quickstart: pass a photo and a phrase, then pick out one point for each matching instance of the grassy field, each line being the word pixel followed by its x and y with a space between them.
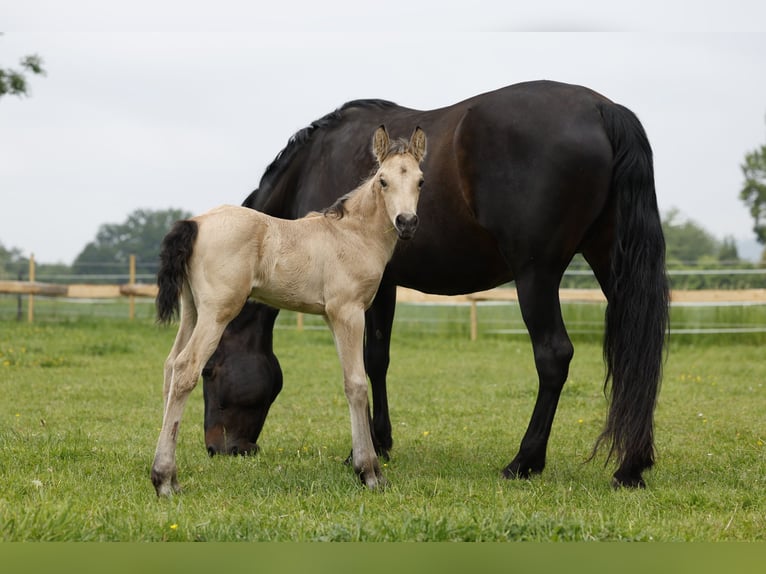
pixel 81 411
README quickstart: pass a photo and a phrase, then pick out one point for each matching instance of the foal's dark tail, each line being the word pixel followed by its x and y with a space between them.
pixel 176 250
pixel 638 298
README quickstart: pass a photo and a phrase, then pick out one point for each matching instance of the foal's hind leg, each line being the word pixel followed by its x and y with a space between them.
pixel 541 310
pixel 185 369
pixel 185 328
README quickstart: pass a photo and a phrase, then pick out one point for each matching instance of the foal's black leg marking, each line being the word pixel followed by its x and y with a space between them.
pixel 378 326
pixel 539 302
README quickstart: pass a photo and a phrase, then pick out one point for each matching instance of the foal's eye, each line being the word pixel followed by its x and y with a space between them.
pixel 420 183
pixel 383 183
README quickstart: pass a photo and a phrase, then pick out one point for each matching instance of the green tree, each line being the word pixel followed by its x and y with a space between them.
pixel 11 262
pixel 727 251
pixel 687 242
pixel 753 192
pixel 14 82
pixel 140 235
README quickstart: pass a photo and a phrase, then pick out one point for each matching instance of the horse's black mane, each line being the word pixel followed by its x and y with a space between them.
pixel 300 138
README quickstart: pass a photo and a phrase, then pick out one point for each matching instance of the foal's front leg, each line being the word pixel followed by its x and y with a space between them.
pixel 347 325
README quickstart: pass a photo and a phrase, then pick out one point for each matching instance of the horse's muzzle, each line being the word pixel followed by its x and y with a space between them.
pixel 217 442
pixel 406 225
pixel 234 450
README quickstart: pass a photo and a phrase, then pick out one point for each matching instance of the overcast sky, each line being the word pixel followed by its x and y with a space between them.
pixel 151 104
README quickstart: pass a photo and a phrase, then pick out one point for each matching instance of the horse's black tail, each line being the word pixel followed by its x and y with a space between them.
pixel 177 247
pixel 638 299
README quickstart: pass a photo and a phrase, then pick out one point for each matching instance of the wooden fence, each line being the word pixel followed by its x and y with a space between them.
pixel 79 290
pixel 131 290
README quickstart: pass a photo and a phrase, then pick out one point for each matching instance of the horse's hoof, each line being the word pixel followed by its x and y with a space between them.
pixel 627 482
pixel 516 470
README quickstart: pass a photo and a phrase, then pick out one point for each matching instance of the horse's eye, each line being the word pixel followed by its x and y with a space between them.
pixel 420 183
pixel 383 183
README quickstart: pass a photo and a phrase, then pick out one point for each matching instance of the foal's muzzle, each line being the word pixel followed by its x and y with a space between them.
pixel 406 225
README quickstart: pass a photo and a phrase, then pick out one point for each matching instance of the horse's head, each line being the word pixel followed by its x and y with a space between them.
pixel 240 382
pixel 399 178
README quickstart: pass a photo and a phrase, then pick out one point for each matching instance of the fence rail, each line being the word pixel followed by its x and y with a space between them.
pixel 133 289
pixel 78 290
pixel 404 295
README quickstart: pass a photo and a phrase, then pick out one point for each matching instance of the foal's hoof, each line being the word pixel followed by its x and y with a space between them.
pixel 373 481
pixel 165 485
pixel 370 475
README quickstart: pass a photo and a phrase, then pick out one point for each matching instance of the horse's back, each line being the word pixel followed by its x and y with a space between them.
pixel 550 166
pixel 519 169
pixel 517 173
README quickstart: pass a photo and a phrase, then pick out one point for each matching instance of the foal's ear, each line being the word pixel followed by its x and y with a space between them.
pixel 380 143
pixel 418 144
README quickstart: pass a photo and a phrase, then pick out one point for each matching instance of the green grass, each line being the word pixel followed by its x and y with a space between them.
pixel 81 411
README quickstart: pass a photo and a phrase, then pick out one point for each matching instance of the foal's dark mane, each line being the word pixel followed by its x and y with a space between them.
pixel 302 137
pixel 337 209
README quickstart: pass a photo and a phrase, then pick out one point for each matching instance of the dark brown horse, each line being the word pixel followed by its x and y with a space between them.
pixel 518 181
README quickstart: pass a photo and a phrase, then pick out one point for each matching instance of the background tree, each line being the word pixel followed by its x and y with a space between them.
pixel 687 242
pixel 11 262
pixel 140 235
pixel 727 251
pixel 14 82
pixel 753 192
pixel 691 248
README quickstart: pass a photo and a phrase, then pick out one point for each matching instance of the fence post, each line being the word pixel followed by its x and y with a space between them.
pixel 31 298
pixel 299 322
pixel 474 321
pixel 19 304
pixel 131 282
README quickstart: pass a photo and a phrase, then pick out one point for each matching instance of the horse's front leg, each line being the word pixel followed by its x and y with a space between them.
pixel 379 323
pixel 347 325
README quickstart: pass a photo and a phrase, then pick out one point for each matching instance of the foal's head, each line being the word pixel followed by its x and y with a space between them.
pixel 398 178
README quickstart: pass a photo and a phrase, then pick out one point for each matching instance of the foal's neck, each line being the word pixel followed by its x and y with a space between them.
pixel 366 205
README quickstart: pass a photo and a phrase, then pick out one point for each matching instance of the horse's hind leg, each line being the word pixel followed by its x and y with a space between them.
pixel 185 369
pixel 553 351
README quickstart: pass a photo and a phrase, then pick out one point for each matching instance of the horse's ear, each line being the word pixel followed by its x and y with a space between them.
pixel 418 144
pixel 380 143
